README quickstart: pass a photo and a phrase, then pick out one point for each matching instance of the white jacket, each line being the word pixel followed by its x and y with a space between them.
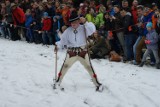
pixel 78 39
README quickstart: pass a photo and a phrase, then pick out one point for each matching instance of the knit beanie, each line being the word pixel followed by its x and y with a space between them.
pixel 45 14
pixel 149 24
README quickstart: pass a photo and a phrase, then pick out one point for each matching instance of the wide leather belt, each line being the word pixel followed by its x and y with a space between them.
pixel 77 51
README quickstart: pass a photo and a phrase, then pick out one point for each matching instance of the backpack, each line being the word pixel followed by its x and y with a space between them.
pixel 115 57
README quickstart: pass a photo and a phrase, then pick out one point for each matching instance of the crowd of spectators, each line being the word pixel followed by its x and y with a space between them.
pixel 132 31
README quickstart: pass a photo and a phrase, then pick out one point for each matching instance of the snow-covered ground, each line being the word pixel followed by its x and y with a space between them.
pixel 27 72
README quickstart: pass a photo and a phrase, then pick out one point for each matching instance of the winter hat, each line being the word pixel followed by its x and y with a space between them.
pixel 135 1
pixel 102 9
pixel 45 14
pixel 74 16
pixel 148 6
pixel 44 1
pixel 13 4
pixel 149 24
pixel 55 17
pixel 154 4
pixel 28 11
pixel 125 1
pixel 117 6
pixel 81 4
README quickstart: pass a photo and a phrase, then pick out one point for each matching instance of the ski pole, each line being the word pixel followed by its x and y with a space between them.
pixel 55 62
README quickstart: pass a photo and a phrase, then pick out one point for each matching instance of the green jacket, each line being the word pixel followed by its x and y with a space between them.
pixel 99 21
pixel 90 18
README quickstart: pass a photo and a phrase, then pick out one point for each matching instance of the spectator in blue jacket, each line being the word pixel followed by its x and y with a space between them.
pixel 56 27
pixel 28 22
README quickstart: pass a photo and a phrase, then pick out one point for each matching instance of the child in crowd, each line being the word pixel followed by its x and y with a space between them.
pixel 46 29
pixel 35 27
pixel 56 27
pixel 3 29
pixel 152 45
pixel 1 25
pixel 28 22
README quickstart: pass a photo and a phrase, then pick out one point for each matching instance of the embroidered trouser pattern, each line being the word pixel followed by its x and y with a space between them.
pixel 71 58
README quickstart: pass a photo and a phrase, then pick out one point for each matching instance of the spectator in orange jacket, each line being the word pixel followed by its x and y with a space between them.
pixel 66 14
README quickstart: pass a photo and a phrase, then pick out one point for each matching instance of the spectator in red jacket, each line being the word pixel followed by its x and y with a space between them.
pixel 46 29
pixel 18 17
pixel 17 14
pixel 134 11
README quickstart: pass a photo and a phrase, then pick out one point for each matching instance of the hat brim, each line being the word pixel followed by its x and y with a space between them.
pixel 13 6
pixel 74 19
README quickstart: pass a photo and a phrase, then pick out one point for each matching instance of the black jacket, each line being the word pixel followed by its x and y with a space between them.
pixel 118 22
pixel 127 21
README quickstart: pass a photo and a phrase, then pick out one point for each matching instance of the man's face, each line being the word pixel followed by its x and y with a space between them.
pixel 16 1
pixel 135 3
pixel 91 11
pixel 45 17
pixel 155 7
pixel 49 6
pixel 140 12
pixel 116 9
pixel 122 13
pixel 125 4
pixel 3 5
pixel 75 24
pixel 110 7
pixel 146 10
pixel 156 12
pixel 95 34
pixel 7 3
pixel 149 28
pixel 14 7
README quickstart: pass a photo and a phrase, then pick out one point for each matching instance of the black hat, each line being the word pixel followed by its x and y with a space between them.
pixel 125 1
pixel 13 4
pixel 148 6
pixel 116 6
pixel 73 16
pixel 154 4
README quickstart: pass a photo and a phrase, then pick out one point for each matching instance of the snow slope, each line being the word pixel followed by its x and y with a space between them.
pixel 27 72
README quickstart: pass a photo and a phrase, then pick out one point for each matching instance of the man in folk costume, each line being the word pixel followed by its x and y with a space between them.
pixel 75 38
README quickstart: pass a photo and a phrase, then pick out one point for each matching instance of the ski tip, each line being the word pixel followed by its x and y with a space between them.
pixel 100 88
pixel 54 86
pixel 62 89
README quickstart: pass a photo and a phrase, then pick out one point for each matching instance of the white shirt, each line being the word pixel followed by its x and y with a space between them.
pixel 78 38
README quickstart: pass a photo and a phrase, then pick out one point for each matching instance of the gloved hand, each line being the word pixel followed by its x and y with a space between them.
pixel 83 20
pixel 147 41
pixel 39 32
